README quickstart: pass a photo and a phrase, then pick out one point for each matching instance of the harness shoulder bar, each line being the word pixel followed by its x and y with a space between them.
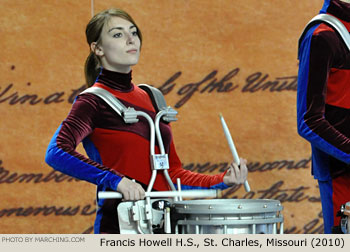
pixel 128 114
pixel 159 102
pixel 331 21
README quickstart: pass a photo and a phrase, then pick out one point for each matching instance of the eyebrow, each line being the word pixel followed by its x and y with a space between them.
pixel 120 28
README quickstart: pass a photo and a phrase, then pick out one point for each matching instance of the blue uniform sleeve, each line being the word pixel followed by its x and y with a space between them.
pixel 315 62
pixel 61 153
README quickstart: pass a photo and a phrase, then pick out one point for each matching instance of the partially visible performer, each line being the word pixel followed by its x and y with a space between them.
pixel 323 108
pixel 119 152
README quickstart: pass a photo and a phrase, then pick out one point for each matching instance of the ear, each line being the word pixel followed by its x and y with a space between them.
pixel 96 49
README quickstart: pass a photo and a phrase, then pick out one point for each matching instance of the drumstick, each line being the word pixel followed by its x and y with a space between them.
pixel 232 148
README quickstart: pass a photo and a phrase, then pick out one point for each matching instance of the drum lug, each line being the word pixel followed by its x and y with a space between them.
pixel 148 211
pixel 167 221
pixel 135 213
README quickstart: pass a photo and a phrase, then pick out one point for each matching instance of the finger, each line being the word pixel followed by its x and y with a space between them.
pixel 230 176
pixel 245 168
pixel 131 190
pixel 240 178
pixel 138 193
pixel 243 161
pixel 131 194
pixel 142 193
pixel 126 195
pixel 229 170
pixel 243 177
pixel 238 174
pixel 134 192
pixel 244 171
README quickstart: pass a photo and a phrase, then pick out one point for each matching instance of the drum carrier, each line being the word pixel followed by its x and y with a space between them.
pixel 166 211
pixel 344 223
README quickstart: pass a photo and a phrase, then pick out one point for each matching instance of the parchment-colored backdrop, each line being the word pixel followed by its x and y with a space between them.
pixel 236 41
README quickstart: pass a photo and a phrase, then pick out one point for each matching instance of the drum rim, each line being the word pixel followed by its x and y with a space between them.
pixel 228 206
pixel 228 200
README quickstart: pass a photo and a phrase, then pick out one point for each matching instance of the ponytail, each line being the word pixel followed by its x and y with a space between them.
pixel 92 69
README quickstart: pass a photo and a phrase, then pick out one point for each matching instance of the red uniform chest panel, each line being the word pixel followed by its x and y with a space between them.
pixel 127 153
pixel 338 88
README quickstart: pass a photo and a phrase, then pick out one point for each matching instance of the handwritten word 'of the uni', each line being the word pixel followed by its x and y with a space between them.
pixel 255 82
pixel 8 177
pixel 211 82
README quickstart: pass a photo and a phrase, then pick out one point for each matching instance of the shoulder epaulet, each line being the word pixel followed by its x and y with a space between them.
pixel 331 21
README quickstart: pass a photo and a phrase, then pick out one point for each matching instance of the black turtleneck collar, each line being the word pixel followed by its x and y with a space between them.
pixel 115 80
pixel 339 9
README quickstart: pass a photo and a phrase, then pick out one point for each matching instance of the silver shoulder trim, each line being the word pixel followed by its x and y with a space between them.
pixel 128 114
pixel 168 112
pixel 334 23
pixel 157 95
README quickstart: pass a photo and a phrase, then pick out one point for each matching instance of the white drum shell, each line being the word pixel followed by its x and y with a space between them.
pixel 346 213
pixel 230 216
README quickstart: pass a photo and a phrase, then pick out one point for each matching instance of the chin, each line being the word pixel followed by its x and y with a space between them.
pixel 133 62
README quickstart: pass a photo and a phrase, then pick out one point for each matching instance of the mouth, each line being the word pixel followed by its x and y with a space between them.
pixel 132 51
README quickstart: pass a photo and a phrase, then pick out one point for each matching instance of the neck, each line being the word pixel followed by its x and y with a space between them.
pixel 116 80
pixel 119 69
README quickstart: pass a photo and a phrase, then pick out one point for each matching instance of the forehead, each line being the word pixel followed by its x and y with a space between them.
pixel 118 22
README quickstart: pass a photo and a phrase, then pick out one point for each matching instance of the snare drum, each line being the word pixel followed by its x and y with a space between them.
pixel 229 216
pixel 345 218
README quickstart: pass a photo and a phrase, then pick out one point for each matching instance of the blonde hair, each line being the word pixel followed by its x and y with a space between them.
pixel 93 34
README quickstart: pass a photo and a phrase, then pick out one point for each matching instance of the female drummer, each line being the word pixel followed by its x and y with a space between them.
pixel 119 152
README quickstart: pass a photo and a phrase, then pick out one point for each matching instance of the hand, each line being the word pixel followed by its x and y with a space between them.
pixel 234 175
pixel 130 189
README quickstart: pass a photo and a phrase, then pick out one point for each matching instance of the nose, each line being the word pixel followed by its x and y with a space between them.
pixel 131 39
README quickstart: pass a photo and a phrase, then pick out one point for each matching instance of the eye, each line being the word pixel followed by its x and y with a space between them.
pixel 118 35
pixel 134 33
